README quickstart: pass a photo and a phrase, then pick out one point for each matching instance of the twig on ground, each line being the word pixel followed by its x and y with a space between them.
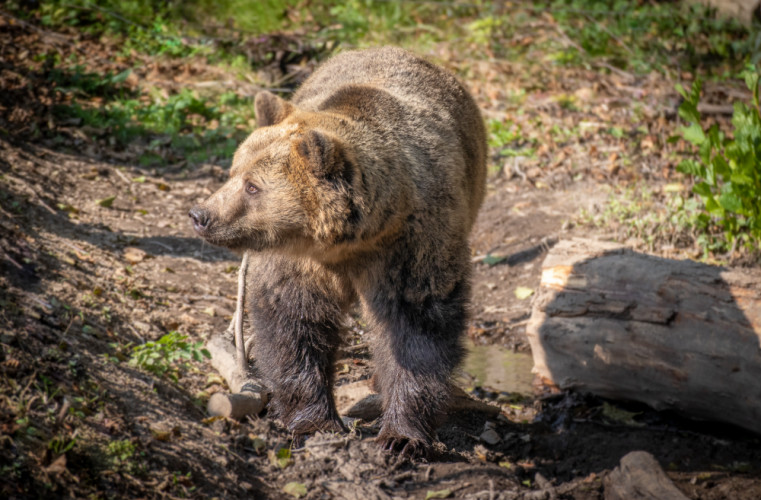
pixel 137 334
pixel 12 261
pixel 34 194
pixel 6 214
pixel 122 176
pixel 356 347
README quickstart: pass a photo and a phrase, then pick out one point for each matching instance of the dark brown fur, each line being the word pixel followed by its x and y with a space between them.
pixel 364 186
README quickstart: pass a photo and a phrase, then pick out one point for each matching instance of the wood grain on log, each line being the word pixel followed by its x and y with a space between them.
pixel 676 335
pixel 249 396
pixel 640 477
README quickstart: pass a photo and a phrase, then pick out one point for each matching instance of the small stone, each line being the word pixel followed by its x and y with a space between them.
pixel 489 436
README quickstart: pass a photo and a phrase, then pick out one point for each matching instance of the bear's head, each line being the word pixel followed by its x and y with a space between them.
pixel 290 185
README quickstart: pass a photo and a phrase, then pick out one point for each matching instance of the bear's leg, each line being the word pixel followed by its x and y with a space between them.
pixel 297 310
pixel 417 348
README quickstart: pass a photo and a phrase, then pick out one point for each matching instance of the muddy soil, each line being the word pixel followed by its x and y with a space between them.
pixel 82 281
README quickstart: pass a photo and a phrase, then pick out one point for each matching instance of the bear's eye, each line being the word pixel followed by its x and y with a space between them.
pixel 251 189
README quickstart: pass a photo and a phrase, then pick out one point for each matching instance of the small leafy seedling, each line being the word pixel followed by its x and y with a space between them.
pixel 168 355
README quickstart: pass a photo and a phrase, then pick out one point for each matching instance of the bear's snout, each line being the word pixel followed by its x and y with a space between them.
pixel 200 217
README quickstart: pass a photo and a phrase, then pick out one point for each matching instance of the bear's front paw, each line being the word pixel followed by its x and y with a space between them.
pixel 406 447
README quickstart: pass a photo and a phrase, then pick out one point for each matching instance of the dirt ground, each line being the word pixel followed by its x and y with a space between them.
pixel 81 282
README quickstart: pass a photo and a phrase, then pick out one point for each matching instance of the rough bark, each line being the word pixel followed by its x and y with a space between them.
pixel 676 335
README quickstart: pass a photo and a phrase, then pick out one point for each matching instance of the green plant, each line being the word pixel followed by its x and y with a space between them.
pixel 121 450
pixel 508 139
pixel 728 170
pixel 60 444
pixel 121 454
pixel 374 22
pixel 166 356
pixel 79 82
pixel 146 26
pixel 656 219
pixel 258 17
pixel 649 34
pixel 197 126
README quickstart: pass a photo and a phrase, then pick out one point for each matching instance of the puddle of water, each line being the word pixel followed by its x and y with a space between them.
pixel 499 368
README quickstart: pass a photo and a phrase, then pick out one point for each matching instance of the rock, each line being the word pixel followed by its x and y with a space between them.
pixel 640 477
pixel 490 436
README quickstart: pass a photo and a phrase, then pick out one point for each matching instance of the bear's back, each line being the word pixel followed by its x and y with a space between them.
pixel 434 118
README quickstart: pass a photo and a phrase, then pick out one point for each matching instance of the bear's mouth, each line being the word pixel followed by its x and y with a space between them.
pixel 236 240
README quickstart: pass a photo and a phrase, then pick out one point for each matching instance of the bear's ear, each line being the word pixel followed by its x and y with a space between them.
pixel 270 109
pixel 321 153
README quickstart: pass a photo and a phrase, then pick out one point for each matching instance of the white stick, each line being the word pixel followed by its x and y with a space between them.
pixel 240 346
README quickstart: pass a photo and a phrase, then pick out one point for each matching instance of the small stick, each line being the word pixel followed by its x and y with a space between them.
pixel 240 346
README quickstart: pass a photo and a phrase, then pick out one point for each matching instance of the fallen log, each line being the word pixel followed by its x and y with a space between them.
pixel 676 335
pixel 640 477
pixel 249 397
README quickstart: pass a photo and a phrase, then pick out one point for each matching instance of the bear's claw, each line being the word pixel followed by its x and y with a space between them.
pixel 407 448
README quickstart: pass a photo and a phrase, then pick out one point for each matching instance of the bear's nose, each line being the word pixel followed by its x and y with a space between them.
pixel 200 217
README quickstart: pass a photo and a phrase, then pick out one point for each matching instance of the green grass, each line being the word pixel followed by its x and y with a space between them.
pixel 655 35
pixel 196 127
pixel 507 139
pixel 634 36
pixel 655 218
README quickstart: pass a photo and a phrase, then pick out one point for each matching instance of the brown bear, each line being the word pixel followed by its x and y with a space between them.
pixel 363 187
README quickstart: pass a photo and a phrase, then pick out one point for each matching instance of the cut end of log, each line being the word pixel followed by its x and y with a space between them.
pixel 249 395
pixel 236 406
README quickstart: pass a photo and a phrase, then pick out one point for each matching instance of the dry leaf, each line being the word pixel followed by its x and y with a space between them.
pixel 295 489
pixel 106 202
pixel 134 255
pixel 58 465
pixel 438 494
pixel 523 292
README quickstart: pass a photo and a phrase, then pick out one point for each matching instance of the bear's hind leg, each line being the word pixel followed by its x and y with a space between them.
pixel 297 310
